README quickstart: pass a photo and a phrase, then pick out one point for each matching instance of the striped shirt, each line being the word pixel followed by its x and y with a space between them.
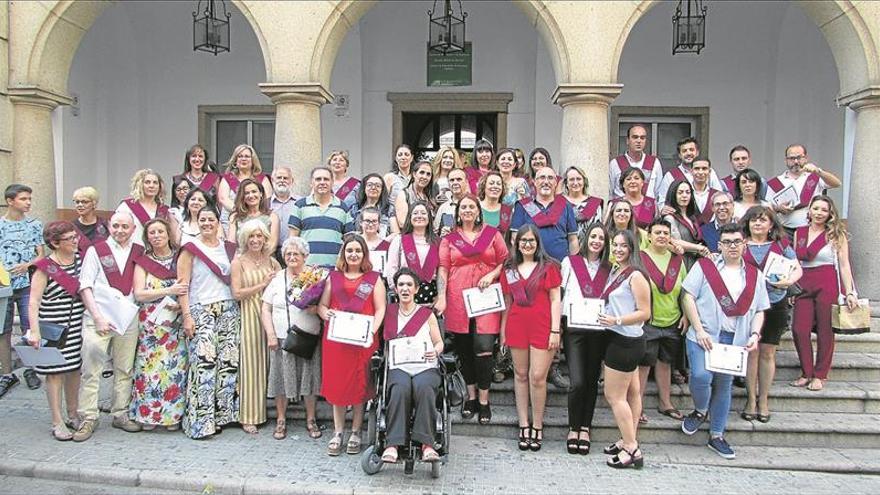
pixel 322 228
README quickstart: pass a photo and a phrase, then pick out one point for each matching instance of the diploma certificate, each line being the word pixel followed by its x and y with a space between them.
pixel 378 259
pixel 115 307
pixel 778 267
pixel 407 350
pixel 787 196
pixel 482 302
pixel 350 328
pixel 585 313
pixel 727 359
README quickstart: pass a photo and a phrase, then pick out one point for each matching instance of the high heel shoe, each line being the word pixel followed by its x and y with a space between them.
pixel 584 445
pixel 635 462
pixel 468 408
pixel 536 442
pixel 525 437
pixel 571 444
pixel 612 449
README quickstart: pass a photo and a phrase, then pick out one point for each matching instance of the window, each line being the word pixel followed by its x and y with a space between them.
pixel 222 128
pixel 666 127
pixel 430 131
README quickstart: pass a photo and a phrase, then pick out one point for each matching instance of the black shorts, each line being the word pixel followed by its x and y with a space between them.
pixel 777 321
pixel 663 344
pixel 624 353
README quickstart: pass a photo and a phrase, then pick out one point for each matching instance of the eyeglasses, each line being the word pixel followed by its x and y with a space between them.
pixel 795 158
pixel 70 238
pixel 731 243
pixel 374 185
pixel 723 203
pixel 292 254
pixel 528 241
pixel 369 222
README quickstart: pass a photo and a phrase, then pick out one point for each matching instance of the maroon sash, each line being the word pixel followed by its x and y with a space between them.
pixel 775 247
pixel 644 212
pixel 383 245
pixel 233 181
pixel 677 174
pixel 517 286
pixel 198 253
pixel 589 210
pixel 141 214
pixel 480 243
pixel 647 166
pixel 346 188
pixel 620 279
pixel 807 193
pixel 474 174
pixel 589 287
pixel 693 226
pixel 157 269
pixel 102 232
pixel 706 215
pixel 411 328
pixel 802 250
pixel 426 269
pixel 505 216
pixel 355 303
pixel 544 218
pixel 53 270
pixel 730 307
pixel 729 184
pixel 665 282
pixel 121 280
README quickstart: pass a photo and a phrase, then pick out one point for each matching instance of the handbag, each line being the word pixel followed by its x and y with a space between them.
pixel 857 321
pixel 55 334
pixel 298 342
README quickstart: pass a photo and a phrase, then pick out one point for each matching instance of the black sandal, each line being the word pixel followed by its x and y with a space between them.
pixel 584 445
pixel 633 461
pixel 525 437
pixel 485 413
pixel 536 442
pixel 468 408
pixel 571 444
pixel 612 449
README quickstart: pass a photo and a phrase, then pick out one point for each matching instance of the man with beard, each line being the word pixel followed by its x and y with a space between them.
pixel 282 203
pixel 803 180
pixel 688 151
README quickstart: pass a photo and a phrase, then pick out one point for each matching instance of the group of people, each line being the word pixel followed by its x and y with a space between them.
pixel 672 265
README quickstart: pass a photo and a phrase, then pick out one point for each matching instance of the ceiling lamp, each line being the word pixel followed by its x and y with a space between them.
pixel 445 30
pixel 689 27
pixel 211 31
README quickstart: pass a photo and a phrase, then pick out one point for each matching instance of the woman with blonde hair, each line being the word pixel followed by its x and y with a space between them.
pixel 345 187
pixel 445 161
pixel 491 191
pixel 244 164
pixel 250 205
pixel 146 201
pixel 576 189
pixel 252 271
pixel 90 227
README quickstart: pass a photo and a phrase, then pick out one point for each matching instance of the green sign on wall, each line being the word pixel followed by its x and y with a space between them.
pixel 453 69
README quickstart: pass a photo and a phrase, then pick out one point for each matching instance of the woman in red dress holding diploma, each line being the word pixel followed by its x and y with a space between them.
pixel 530 327
pixel 345 368
pixel 418 249
pixel 820 246
pixel 471 256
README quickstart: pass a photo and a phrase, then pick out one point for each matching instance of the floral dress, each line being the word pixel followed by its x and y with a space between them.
pixel 157 395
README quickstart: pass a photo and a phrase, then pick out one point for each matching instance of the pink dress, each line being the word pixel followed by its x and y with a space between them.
pixel 464 273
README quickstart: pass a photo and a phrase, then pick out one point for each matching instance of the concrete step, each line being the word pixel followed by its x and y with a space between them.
pixel 846 366
pixel 867 342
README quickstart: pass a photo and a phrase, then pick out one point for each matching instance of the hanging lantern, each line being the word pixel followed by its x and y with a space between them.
pixel 689 27
pixel 445 29
pixel 210 28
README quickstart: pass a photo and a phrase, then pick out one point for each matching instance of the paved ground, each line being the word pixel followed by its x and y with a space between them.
pixel 118 462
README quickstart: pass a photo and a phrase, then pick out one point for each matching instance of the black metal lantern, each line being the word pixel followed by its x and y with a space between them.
pixel 689 28
pixel 445 30
pixel 210 29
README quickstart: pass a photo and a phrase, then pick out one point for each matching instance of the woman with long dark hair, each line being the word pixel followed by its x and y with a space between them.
pixel 685 226
pixel 418 189
pixel 374 193
pixel 401 172
pixel 198 171
pixel 416 248
pixel 251 204
pixel 746 192
pixel 482 161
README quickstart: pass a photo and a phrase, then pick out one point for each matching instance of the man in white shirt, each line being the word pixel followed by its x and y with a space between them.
pixel 806 181
pixel 688 151
pixel 635 156
pixel 282 203
pixel 108 263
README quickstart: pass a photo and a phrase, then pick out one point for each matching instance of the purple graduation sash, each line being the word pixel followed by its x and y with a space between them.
pixel 102 232
pixel 346 188
pixel 517 286
pixel 621 277
pixel 730 307
pixel 383 245
pixel 644 212
pixel 729 184
pixel 693 226
pixel 589 287
pixel 706 215
pixel 677 174
pixel 775 247
pixel 411 328
pixel 504 217
pixel 665 282
pixel 157 269
pixel 480 243
pixel 209 182
pixel 544 218
pixel 589 210
pixel 53 270
pixel 425 269
pixel 807 193
pixel 121 280
pixel 356 303
pixel 198 253
pixel 474 174
pixel 647 167
pixel 802 250
pixel 140 212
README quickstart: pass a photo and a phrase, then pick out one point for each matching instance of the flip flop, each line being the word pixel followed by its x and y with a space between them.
pixel 430 455
pixel 390 456
pixel 672 413
pixel 643 420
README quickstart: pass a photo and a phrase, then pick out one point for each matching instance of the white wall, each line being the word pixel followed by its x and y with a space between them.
pixel 766 73
pixel 139 84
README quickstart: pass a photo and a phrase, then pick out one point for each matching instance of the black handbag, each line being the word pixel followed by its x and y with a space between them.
pixel 298 342
pixel 55 334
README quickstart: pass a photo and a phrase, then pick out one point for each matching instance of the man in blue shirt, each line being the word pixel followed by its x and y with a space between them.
pixel 554 217
pixel 722 208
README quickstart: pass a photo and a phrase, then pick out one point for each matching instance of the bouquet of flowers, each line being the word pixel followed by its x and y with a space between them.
pixel 306 289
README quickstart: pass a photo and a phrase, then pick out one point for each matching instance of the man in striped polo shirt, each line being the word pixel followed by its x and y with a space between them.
pixel 321 219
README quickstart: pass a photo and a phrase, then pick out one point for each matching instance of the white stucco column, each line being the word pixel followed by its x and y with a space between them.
pixel 864 218
pixel 33 155
pixel 585 134
pixel 297 127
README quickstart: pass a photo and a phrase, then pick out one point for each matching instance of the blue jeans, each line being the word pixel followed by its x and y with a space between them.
pixel 710 391
pixel 21 298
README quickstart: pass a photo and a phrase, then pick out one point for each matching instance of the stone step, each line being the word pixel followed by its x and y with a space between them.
pixel 867 342
pixel 846 366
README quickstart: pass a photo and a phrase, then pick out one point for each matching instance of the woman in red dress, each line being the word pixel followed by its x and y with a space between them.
pixel 530 327
pixel 345 368
pixel 470 256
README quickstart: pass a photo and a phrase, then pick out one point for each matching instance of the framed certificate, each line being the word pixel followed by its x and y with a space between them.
pixel 407 350
pixel 786 196
pixel 378 259
pixel 727 359
pixel 482 302
pixel 585 314
pixel 350 328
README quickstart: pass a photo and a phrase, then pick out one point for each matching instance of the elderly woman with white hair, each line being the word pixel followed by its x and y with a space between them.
pixel 146 201
pixel 292 376
pixel 252 270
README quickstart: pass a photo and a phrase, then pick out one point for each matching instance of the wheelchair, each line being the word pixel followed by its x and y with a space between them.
pixel 410 452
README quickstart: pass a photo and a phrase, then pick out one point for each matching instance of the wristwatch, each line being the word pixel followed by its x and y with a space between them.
pixel 618 322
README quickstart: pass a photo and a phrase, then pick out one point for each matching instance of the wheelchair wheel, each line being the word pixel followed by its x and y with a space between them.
pixel 371 425
pixel 435 469
pixel 371 463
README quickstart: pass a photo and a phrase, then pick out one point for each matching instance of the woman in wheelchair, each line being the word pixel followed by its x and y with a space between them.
pixel 413 380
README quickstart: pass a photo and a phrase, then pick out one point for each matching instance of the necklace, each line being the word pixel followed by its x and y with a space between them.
pixel 61 261
pixel 404 313
pixel 258 264
pixel 167 257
